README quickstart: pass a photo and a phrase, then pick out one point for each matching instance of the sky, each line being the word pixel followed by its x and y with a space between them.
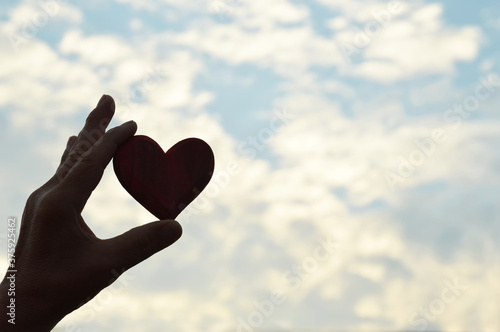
pixel 357 168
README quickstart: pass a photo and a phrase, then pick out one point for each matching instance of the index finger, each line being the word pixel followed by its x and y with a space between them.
pixel 94 128
pixel 96 123
pixel 84 177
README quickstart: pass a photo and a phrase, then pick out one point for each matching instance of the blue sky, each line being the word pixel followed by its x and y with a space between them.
pixel 373 206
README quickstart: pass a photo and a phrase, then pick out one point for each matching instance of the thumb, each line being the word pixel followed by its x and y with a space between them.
pixel 139 243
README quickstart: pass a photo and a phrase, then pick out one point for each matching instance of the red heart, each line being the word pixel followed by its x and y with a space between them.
pixel 164 183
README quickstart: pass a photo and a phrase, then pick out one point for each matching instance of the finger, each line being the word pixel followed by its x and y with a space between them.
pixel 85 175
pixel 94 129
pixel 69 147
pixel 138 244
pixel 54 180
pixel 96 123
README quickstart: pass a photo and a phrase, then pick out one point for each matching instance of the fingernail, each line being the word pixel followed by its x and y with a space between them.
pixel 129 123
pixel 70 140
pixel 102 100
pixel 130 126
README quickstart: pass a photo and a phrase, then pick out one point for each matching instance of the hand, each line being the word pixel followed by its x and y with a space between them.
pixel 61 264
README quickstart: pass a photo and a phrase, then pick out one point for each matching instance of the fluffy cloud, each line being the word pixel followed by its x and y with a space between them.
pixel 396 44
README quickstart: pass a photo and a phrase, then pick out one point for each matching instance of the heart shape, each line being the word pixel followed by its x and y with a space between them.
pixel 164 183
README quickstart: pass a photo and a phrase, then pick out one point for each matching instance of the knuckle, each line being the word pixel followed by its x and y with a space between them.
pixel 49 199
pixel 85 159
pixel 73 157
pixel 33 198
pixel 82 146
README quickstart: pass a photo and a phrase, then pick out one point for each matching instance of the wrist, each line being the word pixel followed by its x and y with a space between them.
pixel 20 309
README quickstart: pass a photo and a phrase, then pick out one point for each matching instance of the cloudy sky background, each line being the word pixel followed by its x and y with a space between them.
pixel 322 134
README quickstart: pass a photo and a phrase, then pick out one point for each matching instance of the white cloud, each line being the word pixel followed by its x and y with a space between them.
pixel 287 51
pixel 96 50
pixel 158 5
pixel 259 14
pixel 31 16
pixel 407 45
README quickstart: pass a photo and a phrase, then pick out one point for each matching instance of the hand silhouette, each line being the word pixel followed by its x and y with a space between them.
pixel 60 262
